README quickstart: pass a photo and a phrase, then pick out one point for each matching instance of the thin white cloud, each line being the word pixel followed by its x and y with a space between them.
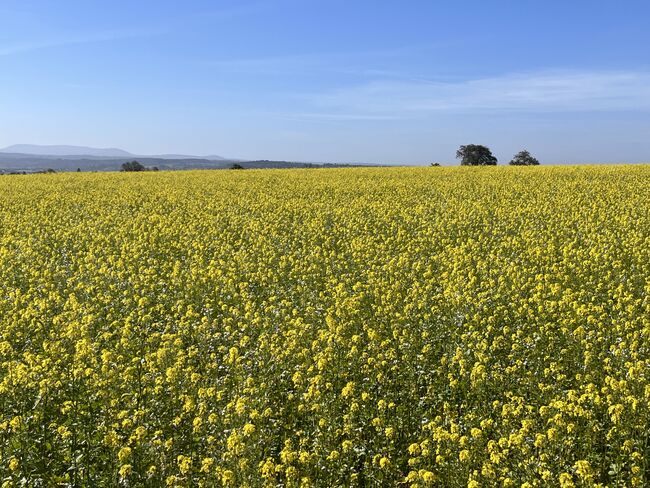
pixel 361 63
pixel 535 92
pixel 209 16
pixel 334 116
pixel 239 10
pixel 269 65
pixel 28 46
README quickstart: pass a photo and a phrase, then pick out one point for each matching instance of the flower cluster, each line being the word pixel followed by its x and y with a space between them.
pixel 337 327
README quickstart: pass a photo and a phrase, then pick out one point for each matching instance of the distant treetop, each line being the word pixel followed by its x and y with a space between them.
pixel 475 155
pixel 133 166
pixel 524 158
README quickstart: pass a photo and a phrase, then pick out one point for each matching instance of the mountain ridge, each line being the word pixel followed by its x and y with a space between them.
pixel 68 151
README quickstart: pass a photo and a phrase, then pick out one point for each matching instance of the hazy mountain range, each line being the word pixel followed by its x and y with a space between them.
pixel 94 152
pixel 32 158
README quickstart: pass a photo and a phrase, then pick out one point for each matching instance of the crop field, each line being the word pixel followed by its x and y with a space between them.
pixel 418 327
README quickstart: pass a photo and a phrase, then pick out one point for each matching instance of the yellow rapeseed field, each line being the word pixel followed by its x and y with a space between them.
pixel 452 327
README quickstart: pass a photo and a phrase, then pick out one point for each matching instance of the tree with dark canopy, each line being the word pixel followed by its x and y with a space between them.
pixel 524 158
pixel 133 166
pixel 475 155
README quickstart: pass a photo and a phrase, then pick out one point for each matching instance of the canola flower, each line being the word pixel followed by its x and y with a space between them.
pixel 462 327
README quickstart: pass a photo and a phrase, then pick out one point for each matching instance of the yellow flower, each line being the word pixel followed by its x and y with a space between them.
pixel 124 454
pixel 566 480
pixel 348 389
pixel 249 429
pixel 268 469
pixel 414 449
pixel 184 464
pixel 427 476
pixel 583 469
pixel 16 422
pixel 227 477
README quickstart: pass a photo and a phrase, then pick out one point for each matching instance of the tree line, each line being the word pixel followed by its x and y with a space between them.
pixel 136 166
pixel 469 155
pixel 478 155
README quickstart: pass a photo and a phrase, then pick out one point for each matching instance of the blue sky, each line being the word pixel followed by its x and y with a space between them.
pixel 330 80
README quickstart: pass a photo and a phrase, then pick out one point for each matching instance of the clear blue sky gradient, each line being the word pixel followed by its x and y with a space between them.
pixel 330 80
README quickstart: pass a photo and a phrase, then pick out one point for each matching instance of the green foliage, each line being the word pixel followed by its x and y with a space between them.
pixel 133 166
pixel 475 155
pixel 524 158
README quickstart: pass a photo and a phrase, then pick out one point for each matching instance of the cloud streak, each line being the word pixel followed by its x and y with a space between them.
pixel 80 39
pixel 64 40
pixel 549 91
pixel 362 63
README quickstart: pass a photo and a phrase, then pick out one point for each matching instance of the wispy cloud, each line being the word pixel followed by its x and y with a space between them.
pixel 238 10
pixel 269 65
pixel 320 116
pixel 140 31
pixel 548 91
pixel 78 39
pixel 364 63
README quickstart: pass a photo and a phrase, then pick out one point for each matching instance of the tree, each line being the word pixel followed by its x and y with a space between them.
pixel 133 166
pixel 434 164
pixel 475 155
pixel 236 166
pixel 523 158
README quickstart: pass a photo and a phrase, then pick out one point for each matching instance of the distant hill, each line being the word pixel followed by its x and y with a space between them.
pixel 30 158
pixel 30 163
pixel 66 151
pixel 18 163
pixel 71 152
pixel 184 156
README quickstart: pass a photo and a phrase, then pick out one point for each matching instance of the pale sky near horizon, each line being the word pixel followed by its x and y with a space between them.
pixel 330 80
